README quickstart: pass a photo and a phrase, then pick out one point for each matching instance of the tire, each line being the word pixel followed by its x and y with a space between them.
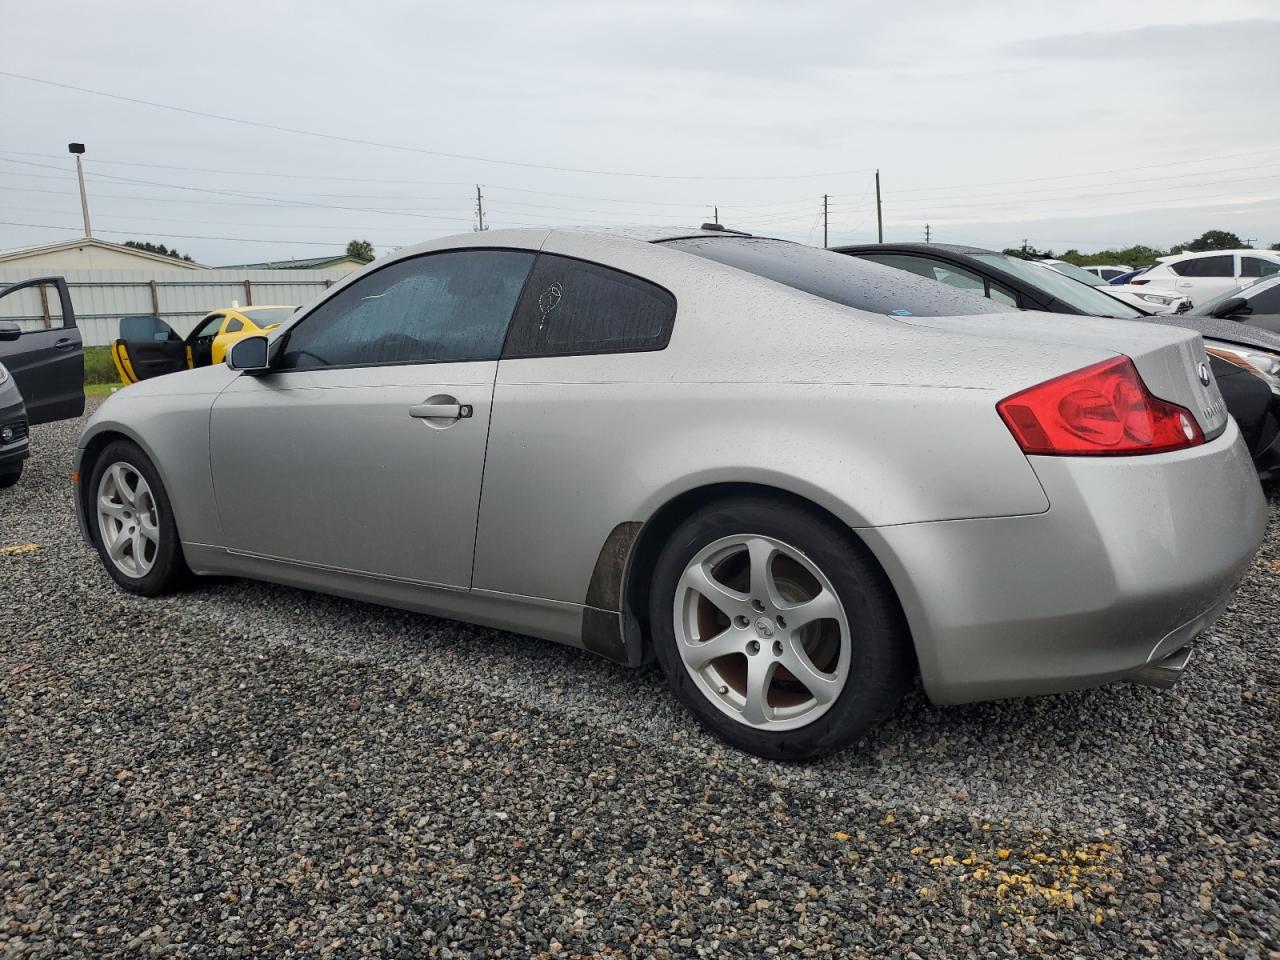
pixel 10 475
pixel 162 568
pixel 860 660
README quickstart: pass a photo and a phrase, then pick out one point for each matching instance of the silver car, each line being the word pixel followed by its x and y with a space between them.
pixel 796 479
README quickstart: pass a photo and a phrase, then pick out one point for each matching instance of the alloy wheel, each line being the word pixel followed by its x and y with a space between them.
pixel 128 520
pixel 762 632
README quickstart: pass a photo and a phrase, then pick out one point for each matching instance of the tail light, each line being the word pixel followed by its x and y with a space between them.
pixel 1138 281
pixel 1102 410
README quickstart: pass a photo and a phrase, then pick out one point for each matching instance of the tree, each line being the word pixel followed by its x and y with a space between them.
pixel 360 250
pixel 159 248
pixel 1211 240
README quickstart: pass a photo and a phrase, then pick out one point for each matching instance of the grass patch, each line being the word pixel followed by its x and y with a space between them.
pixel 99 367
pixel 102 389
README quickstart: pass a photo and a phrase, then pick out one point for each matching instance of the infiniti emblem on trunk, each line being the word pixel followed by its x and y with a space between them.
pixel 1203 371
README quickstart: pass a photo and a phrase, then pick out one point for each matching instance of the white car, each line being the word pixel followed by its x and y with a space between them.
pixel 1108 272
pixel 1203 276
pixel 1149 301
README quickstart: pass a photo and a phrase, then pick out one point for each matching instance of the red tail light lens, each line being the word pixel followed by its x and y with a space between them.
pixel 1102 410
pixel 1138 281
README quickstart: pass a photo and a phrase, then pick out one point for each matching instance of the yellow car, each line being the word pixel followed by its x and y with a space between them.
pixel 149 347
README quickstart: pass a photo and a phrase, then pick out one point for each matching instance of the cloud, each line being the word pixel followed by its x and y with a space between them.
pixel 1241 40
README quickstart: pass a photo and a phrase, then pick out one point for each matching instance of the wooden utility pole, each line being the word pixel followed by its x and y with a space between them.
pixel 926 233
pixel 824 221
pixel 78 150
pixel 879 214
pixel 480 209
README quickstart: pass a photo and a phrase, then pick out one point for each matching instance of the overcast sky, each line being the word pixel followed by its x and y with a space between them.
pixel 1087 125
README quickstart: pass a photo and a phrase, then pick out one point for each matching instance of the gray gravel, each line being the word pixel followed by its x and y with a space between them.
pixel 248 770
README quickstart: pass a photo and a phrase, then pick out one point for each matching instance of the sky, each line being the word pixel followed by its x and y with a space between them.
pixel 1087 125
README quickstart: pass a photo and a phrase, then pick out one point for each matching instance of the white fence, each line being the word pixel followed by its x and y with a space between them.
pixel 179 297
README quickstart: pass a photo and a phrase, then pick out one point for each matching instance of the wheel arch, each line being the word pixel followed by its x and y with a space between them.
pixel 636 574
pixel 88 459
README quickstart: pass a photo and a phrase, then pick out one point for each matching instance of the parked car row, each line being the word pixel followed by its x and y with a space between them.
pixel 795 477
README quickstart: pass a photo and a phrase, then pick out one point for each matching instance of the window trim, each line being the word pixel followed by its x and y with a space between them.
pixel 282 344
pixel 669 328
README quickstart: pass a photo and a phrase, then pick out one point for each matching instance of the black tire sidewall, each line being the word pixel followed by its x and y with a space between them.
pixel 880 662
pixel 169 567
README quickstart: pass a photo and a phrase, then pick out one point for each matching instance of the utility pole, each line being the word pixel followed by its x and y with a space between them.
pixel 879 214
pixel 715 215
pixel 480 209
pixel 1024 246
pixel 926 233
pixel 78 149
pixel 824 221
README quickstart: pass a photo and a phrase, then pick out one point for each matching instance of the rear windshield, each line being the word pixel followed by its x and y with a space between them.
pixel 1084 297
pixel 265 316
pixel 838 277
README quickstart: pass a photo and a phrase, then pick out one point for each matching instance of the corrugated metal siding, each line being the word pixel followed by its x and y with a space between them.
pixel 102 297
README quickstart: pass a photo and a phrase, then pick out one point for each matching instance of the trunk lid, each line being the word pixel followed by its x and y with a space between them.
pixel 1170 359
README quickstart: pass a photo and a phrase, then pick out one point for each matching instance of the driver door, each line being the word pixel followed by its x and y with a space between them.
pixel 147 347
pixel 362 449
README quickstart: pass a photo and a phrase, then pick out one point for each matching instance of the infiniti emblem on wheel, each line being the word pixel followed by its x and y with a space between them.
pixel 764 627
pixel 1203 371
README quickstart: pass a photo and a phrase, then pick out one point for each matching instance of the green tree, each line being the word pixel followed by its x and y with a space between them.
pixel 1211 240
pixel 360 249
pixel 159 248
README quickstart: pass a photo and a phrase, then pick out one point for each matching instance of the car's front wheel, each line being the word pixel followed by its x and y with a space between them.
pixel 777 629
pixel 132 522
pixel 10 475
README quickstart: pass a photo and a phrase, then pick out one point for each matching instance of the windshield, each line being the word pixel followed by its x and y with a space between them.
pixel 1078 273
pixel 838 277
pixel 1247 290
pixel 1082 296
pixel 265 316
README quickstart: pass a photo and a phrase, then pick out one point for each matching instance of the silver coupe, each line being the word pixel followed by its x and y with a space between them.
pixel 796 479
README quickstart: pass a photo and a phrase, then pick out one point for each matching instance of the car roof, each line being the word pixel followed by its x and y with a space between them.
pixel 958 248
pixel 1269 254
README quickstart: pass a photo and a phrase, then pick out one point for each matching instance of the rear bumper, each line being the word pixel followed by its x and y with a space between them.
pixel 1135 557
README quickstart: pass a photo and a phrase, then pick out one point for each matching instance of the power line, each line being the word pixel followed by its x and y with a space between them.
pixel 401 147
pixel 175 236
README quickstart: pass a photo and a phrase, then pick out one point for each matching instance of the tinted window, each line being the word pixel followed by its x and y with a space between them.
pixel 1266 301
pixel 210 327
pixel 234 325
pixel 571 307
pixel 1257 267
pixel 439 307
pixel 265 316
pixel 1205 267
pixel 837 277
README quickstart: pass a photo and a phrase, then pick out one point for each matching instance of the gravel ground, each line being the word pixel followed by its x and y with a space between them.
pixel 249 770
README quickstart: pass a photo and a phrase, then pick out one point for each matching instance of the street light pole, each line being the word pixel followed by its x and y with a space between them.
pixel 78 149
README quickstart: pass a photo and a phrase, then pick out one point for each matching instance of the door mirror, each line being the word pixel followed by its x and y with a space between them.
pixel 1231 307
pixel 9 330
pixel 249 355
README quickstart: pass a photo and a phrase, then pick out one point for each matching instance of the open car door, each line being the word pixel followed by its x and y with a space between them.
pixel 46 357
pixel 148 347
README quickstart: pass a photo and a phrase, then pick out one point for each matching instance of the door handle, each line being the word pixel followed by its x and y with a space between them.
pixel 441 410
pixel 66 343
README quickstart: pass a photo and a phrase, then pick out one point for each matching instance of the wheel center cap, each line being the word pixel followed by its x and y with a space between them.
pixel 764 627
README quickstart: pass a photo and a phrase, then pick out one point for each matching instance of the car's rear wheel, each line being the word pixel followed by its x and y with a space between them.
pixel 132 522
pixel 10 475
pixel 777 629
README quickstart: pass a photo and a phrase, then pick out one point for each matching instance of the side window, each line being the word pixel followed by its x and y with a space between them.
pixel 435 308
pixel 210 327
pixel 1222 266
pixel 1002 295
pixel 920 266
pixel 233 326
pixel 1268 301
pixel 573 307
pixel 960 278
pixel 1257 267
